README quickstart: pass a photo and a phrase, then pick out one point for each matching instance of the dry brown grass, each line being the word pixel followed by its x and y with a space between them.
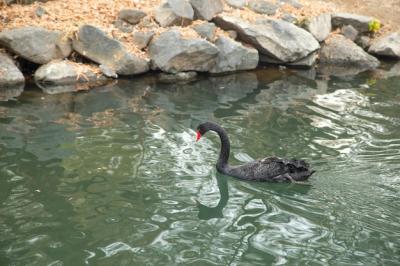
pixel 68 16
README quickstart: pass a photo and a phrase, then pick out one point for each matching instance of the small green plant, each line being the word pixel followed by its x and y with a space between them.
pixel 374 25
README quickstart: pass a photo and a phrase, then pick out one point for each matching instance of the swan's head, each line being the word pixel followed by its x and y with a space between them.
pixel 204 127
pixel 201 130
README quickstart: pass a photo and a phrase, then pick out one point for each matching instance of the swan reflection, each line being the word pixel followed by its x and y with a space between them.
pixel 205 212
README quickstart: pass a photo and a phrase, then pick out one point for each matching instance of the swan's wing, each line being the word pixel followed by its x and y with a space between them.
pixel 292 169
pixel 263 169
pixel 271 168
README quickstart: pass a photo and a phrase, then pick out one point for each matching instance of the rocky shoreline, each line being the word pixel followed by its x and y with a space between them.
pixel 183 37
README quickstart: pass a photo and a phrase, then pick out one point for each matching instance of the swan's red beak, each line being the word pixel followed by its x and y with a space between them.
pixel 198 135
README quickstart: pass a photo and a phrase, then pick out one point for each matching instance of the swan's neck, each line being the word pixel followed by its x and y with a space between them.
pixel 222 163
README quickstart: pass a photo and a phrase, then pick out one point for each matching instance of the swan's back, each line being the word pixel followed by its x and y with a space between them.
pixel 272 169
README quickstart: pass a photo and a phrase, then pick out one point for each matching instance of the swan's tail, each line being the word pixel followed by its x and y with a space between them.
pixel 302 175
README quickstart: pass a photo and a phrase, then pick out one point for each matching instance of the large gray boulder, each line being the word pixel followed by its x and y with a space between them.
pixel 263 7
pixel 36 44
pixel 172 53
pixel 207 9
pixel 10 75
pixel 174 12
pixel 320 26
pixel 360 23
pixel 62 76
pixel 342 52
pixel 233 56
pixel 280 40
pixel 132 16
pixel 94 44
pixel 388 45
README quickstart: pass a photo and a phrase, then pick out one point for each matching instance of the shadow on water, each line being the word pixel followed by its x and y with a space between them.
pixel 206 212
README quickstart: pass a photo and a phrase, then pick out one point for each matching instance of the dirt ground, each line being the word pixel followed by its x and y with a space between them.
pixel 68 16
pixel 387 11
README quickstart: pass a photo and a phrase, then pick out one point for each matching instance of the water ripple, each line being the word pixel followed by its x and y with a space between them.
pixel 122 180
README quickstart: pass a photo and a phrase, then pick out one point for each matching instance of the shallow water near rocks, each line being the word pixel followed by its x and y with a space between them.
pixel 113 176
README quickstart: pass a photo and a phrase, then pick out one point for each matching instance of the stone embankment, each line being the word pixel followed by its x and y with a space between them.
pixel 178 36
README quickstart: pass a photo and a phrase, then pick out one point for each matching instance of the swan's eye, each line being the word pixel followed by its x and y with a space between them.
pixel 198 135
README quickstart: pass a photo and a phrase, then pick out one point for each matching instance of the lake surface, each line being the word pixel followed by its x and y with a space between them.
pixel 113 176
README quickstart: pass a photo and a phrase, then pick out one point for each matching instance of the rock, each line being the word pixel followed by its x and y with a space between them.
pixel 319 26
pixel 360 23
pixel 123 26
pixel 349 32
pixel 36 44
pixel 64 72
pixel 207 9
pixel 278 39
pixel 293 3
pixel 389 45
pixel 236 3
pixel 10 75
pixel 61 76
pixel 149 23
pixel 182 8
pixel 108 72
pixel 142 38
pixel 172 53
pixel 263 7
pixel 132 16
pixel 94 44
pixel 40 11
pixel 178 77
pixel 233 56
pixel 206 30
pixel 342 52
pixel 364 42
pixel 171 13
pixel 289 18
pixel 306 62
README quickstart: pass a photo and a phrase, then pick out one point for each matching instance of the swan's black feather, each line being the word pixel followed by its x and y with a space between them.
pixel 272 169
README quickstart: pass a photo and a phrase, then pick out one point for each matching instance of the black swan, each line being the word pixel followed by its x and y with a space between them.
pixel 267 169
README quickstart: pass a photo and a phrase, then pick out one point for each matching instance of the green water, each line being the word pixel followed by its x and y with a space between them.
pixel 113 176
